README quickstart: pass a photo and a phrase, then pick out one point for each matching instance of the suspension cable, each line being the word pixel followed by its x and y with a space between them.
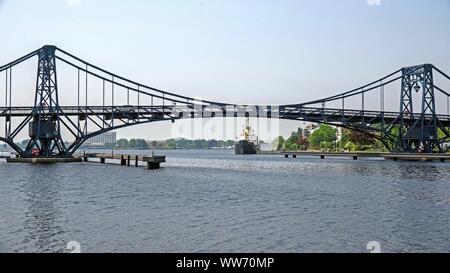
pixel 130 81
pixel 86 119
pixel 138 101
pixel 78 101
pixel 441 72
pixel 10 99
pixel 382 97
pixel 112 102
pixel 358 91
pixel 6 100
pixel 103 102
pixel 6 89
pixel 113 82
pixel 18 61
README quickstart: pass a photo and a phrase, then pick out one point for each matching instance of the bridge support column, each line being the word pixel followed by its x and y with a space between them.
pixel 45 128
pixel 418 133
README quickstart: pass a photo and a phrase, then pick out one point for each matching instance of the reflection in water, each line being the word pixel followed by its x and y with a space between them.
pixel 420 171
pixel 2 248
pixel 42 211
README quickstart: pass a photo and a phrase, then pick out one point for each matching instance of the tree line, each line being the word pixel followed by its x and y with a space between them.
pixel 180 143
pixel 326 138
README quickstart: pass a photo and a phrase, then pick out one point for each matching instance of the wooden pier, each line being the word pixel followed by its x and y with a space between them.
pixel 358 155
pixel 43 160
pixel 151 162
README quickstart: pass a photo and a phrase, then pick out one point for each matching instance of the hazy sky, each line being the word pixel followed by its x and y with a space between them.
pixel 241 51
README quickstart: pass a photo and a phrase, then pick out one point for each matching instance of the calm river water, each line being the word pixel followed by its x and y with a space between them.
pixel 214 201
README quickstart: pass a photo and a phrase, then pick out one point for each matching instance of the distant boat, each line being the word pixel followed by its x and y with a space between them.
pixel 246 145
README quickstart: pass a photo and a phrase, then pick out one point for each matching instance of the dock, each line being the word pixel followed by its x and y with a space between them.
pixel 42 160
pixel 357 155
pixel 151 162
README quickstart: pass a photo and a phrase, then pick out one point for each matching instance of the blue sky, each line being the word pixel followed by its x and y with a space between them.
pixel 242 51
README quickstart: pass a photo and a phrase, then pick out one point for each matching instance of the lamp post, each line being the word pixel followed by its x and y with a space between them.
pixel 417 87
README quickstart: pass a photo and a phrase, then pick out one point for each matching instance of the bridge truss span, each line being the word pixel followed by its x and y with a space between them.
pixel 101 101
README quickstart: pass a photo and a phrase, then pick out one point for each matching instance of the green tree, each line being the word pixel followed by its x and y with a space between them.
pixel 357 138
pixel 278 143
pixel 212 143
pixel 293 147
pixel 141 144
pixel 441 134
pixel 324 136
pixel 350 146
pixel 200 144
pixel 132 143
pixel 303 143
pixel 295 136
pixel 171 144
pixel 122 142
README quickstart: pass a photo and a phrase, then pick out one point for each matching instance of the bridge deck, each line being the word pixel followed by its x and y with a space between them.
pixel 160 112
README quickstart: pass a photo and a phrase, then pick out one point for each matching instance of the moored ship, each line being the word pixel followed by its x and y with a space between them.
pixel 246 145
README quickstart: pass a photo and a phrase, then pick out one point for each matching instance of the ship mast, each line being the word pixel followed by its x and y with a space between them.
pixel 247 129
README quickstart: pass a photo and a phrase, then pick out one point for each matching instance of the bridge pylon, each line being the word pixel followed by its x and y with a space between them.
pixel 44 129
pixel 418 132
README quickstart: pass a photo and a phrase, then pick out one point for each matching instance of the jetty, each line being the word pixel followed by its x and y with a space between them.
pixel 386 156
pixel 151 162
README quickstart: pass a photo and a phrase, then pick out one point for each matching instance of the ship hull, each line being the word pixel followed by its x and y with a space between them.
pixel 244 147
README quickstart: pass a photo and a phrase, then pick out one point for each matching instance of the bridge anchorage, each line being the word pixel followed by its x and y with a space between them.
pixel 103 101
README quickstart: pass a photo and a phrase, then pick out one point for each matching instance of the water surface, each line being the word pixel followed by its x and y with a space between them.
pixel 214 201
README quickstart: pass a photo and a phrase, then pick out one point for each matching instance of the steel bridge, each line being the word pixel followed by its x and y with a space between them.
pixel 401 130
